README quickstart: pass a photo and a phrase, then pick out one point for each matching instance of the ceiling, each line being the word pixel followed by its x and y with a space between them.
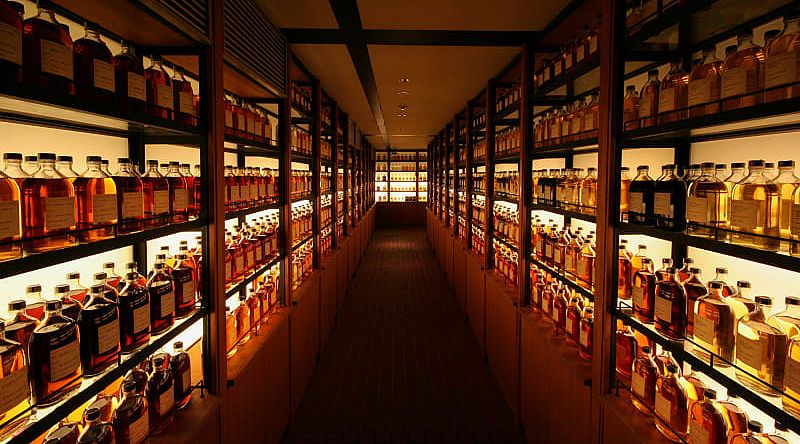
pixel 443 74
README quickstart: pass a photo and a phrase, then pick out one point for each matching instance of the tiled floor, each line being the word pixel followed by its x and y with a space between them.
pixel 401 365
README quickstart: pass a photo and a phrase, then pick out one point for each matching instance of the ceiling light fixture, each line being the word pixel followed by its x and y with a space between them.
pixel 404 80
pixel 402 106
pixel 402 115
pixel 403 93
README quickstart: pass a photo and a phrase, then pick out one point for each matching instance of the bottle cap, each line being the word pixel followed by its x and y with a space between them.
pixel 652 72
pixel 92 414
pixel 130 276
pixel 180 256
pixel 754 426
pixel 755 163
pixel 672 368
pixel 52 305
pixel 646 350
pixel 64 288
pixel 715 285
pixel 44 156
pixel 36 288
pixel 177 345
pixel 743 284
pixel 129 386
pixel 158 265
pixel 670 270
pixel 624 169
pixel 737 165
pixel 720 166
pixel 666 260
pixel 785 163
pixel 152 162
pixel 93 158
pixel 12 156
pixel 642 247
pixel 164 165
pixel 710 393
pixel 123 160
pixel 174 163
pixel 185 165
pixel 100 276
pixel 694 270
pixel 707 165
pixel 763 300
pixel 745 35
pixel 688 260
pixel 97 289
pixel 64 158
pixel 721 270
pixel 769 165
pixel 792 300
pixel 668 166
pixel 647 260
pixel 108 265
pixel 772 33
pixel 131 265
pixel 17 304
pixel 642 167
pixel 630 88
pixel 158 362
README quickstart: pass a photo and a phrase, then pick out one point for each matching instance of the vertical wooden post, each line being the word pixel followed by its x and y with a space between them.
pixel 525 181
pixel 489 185
pixel 468 172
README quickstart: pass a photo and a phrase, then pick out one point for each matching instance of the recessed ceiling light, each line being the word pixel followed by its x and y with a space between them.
pixel 402 115
pixel 404 80
pixel 402 106
pixel 403 93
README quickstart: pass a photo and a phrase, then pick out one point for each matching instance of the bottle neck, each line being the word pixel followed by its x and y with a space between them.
pixel 47 14
pixel 92 34
pixel 745 43
pixel 792 26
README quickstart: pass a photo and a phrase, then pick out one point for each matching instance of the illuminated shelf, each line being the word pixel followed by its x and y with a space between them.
pixel 240 285
pixel 561 276
pixel 571 214
pixel 241 213
pixel 302 241
pixel 305 196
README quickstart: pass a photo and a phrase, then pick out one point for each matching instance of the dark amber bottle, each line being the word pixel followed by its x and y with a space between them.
pixel 134 314
pixel 181 368
pixel 626 351
pixel 20 327
pixel 160 394
pixel 54 357
pixel 672 404
pixel 184 278
pixel 48 209
pixel 131 88
pixel 160 99
pixel 707 420
pixel 47 53
pixel 183 99
pixel 644 292
pixel 131 420
pixel 96 431
pixel 695 289
pixel 94 73
pixel 670 307
pixel 643 381
pixel 11 55
pixel 98 324
pixel 162 300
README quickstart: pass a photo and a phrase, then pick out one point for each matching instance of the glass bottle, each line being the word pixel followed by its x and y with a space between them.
pixel 12 167
pixel 738 173
pixel 14 408
pixel 179 193
pixel 129 82
pixel 591 115
pixel 672 404
pixel 643 381
pixel 643 291
pixel 48 210
pixel 10 197
pixel 781 66
pixel 182 374
pixel 94 72
pixel 721 277
pixel 673 94
pixel 755 209
pixel 707 420
pixel 640 197
pixel 64 166
pixel 707 204
pixel 695 289
pixel 11 56
pixel 47 53
pixel 111 292
pixel 156 196
pixel 761 344
pixel 34 302
pixel 685 272
pixel 131 420
pixel 586 334
pixel 65 432
pixel 626 350
pixel 96 430
pixel 130 198
pixel 134 314
pixel 160 395
pixel 670 307
pixel 96 196
pixel 665 263
pixel 714 326
pixel 625 274
pixel 572 324
pixel 624 193
pixel 160 100
pixel 242 316
pixel 20 326
pixel 98 325
pixel 705 85
pixel 162 299
pixel 184 277
pixel 630 108
pixel 648 99
pixel 669 200
pixel 787 184
pixel 184 99
pixel 70 307
pixel 588 192
pixel 742 75
pixel 54 357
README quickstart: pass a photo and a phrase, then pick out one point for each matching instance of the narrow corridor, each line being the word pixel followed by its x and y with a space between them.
pixel 402 365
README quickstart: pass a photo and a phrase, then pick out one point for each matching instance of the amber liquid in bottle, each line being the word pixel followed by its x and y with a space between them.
pixel 13 385
pixel 670 307
pixel 178 194
pixel 160 99
pixel 644 292
pixel 10 231
pixel 184 99
pixel 625 275
pixel 707 421
pixel 184 278
pixel 20 327
pixel 648 99
pixel 131 88
pixel 11 59
pixel 48 210
pixel 131 420
pixel 705 85
pixel 134 314
pixel 672 405
pixel 755 210
pixel 94 72
pixel 695 289
pixel 182 374
pixel 96 196
pixel 643 381
pixel 626 351
pixel 156 197
pixel 672 97
pixel 130 198
pixel 714 326
pixel 761 345
pixel 54 357
pixel 783 61
pixel 160 394
pixel 586 334
pixel 741 75
pixel 98 324
pixel 47 52
pixel 162 300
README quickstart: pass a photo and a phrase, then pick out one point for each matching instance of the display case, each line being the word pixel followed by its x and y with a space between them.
pixel 401 176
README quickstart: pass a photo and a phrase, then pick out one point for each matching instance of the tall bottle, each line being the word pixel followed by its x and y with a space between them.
pixel 98 325
pixel 162 299
pixel 624 193
pixel 648 99
pixel 160 99
pixel 10 198
pixel 626 350
pixel 669 200
pixel 129 81
pixel 630 113
pixel 673 94
pixel 48 210
pixel 787 184
pixel 160 394
pixel 156 196
pixel 781 66
pixel 742 75
pixel 625 274
pixel 54 357
pixel 20 326
pixel 707 204
pixel 96 196
pixel 179 193
pixel 14 386
pixel 761 344
pixel 586 337
pixel 131 420
pixel 672 404
pixel 182 374
pixel 640 197
pixel 644 292
pixel 643 381
pixel 47 53
pixel 94 72
pixel 705 84
pixel 714 326
pixel 184 99
pixel 755 209
pixel 707 422
pixel 130 198
pixel 184 277
pixel 670 307
pixel 134 314
pixel 11 57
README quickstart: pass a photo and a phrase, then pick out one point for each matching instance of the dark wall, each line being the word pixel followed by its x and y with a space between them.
pixel 389 214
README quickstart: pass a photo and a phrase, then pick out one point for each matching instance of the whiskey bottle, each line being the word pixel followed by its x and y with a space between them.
pixel 54 357
pixel 11 57
pixel 643 292
pixel 112 278
pixel 754 434
pixel 35 304
pixel 242 316
pixel 669 200
pixel 648 99
pixel 571 257
pixel 790 317
pixel 98 325
pixel 624 274
pixel 96 431
pixel 572 324
pixel 707 204
pixel 130 198
pixel 714 326
pixel 94 72
pixel 630 112
pixel 637 260
pixel 184 277
pixel 14 389
pixel 742 75
pixel 787 184
pixel 670 307
pixel 685 272
pixel 624 193
pixel 160 395
pixel 130 419
pixel 695 289
pixel 12 167
pixel 738 173
pixel 65 432
pixel 735 416
pixel 20 327
pixel 178 194
pixel 48 210
pixel 156 196
pixel 707 423
pixel 672 404
pixel 626 350
pixel 134 314
pixel 129 82
pixel 160 100
pixel 109 291
pixel 588 192
pixel 705 85
pixel 640 197
pixel 672 94
pixel 162 300
pixel 104 403
pixel 96 196
pixel 47 53
pixel 781 66
pixel 132 267
pixel 184 99
pixel 665 263
pixel 643 381
pixel 10 232
pixel 755 209
pixel 721 277
pixel 182 375
pixel 586 334
pixel 70 307
pixel 761 344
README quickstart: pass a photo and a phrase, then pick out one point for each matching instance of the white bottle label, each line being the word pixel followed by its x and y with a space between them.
pixel 584 338
pixel 638 296
pixel 187 379
pixel 104 208
pixel 250 124
pixel 59 213
pixel 699 91
pixel 588 121
pixel 569 262
pixel 103 75
pixel 593 45
pixel 697 209
pixel 557 256
pixel 186 103
pixel 568 327
pixel 734 82
pixel 167 303
pixel 636 202
pixel 795 225
pixel 666 100
pixel 64 361
pixel 704 329
pixel 234 193
pixel 697 434
pixel 792 375
pixel 160 202
pixel 556 313
pixel 166 401
pixel 137 88
pixel 10 44
pixel 14 388
pixel 189 291
pixel 141 318
pixel 108 336
pixel 637 384
pixel 663 309
pixel 164 97
pixel 240 263
pixel 254 191
pixel 181 199
pixel 749 351
pixel 229 118
pixel 663 407
pixel 9 218
pixel 56 59
pixel 744 214
pixel 662 204
pixel 579 53
pixel 139 429
pixel 781 69
pixel 132 205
